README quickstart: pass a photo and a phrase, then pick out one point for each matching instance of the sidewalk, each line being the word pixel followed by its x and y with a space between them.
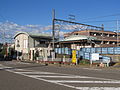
pixel 70 65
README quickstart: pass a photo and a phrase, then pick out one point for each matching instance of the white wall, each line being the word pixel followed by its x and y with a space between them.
pixel 22 40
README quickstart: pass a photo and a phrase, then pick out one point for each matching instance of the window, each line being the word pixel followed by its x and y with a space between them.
pixel 17 43
pixel 108 35
pixel 94 34
pixel 25 43
pixel 42 42
pixel 76 34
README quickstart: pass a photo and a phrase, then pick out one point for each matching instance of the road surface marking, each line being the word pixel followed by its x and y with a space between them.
pixel 72 81
pixel 57 76
pixel 92 69
pixel 65 75
pixel 65 82
pixel 70 86
pixel 51 73
pixel 16 62
pixel 98 88
pixel 36 72
pixel 4 67
pixel 22 70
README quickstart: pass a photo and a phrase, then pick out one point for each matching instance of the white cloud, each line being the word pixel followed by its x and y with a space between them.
pixel 10 28
pixel 65 27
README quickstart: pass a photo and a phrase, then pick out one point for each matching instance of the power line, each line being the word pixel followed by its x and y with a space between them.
pixel 102 16
pixel 2 17
pixel 101 21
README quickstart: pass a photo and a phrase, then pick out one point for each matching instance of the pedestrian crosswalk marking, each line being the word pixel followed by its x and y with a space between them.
pixel 66 82
pixel 92 69
pixel 22 70
pixel 39 76
pixel 73 81
pixel 4 67
pixel 65 75
pixel 44 76
pixel 16 62
pixel 36 72
pixel 98 88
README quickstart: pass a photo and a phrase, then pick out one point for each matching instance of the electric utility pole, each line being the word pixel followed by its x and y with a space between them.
pixel 53 34
pixel 117 34
pixel 117 38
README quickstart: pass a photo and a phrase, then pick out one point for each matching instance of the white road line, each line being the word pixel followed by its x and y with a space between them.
pixel 60 82
pixel 66 75
pixel 70 86
pixel 73 81
pixel 4 67
pixel 50 76
pixel 36 72
pixel 22 70
pixel 44 80
pixel 92 69
pixel 33 72
pixel 56 76
pixel 98 88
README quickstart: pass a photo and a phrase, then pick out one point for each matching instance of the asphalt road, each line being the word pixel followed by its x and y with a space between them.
pixel 16 75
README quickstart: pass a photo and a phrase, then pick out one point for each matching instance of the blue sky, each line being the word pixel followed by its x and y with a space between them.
pixel 39 12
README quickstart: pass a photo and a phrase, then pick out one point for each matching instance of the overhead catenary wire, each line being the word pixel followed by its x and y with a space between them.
pixel 102 21
pixel 2 17
pixel 102 16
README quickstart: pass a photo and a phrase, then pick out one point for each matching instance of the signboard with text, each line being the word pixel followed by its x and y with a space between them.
pixel 94 56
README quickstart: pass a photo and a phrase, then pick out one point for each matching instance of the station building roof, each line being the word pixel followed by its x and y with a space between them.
pixel 34 35
pixel 78 37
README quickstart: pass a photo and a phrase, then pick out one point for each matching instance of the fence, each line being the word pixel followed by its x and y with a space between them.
pixel 101 50
pixel 64 54
pixel 85 53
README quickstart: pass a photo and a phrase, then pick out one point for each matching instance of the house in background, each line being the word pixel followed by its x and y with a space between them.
pixel 28 43
pixel 103 38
